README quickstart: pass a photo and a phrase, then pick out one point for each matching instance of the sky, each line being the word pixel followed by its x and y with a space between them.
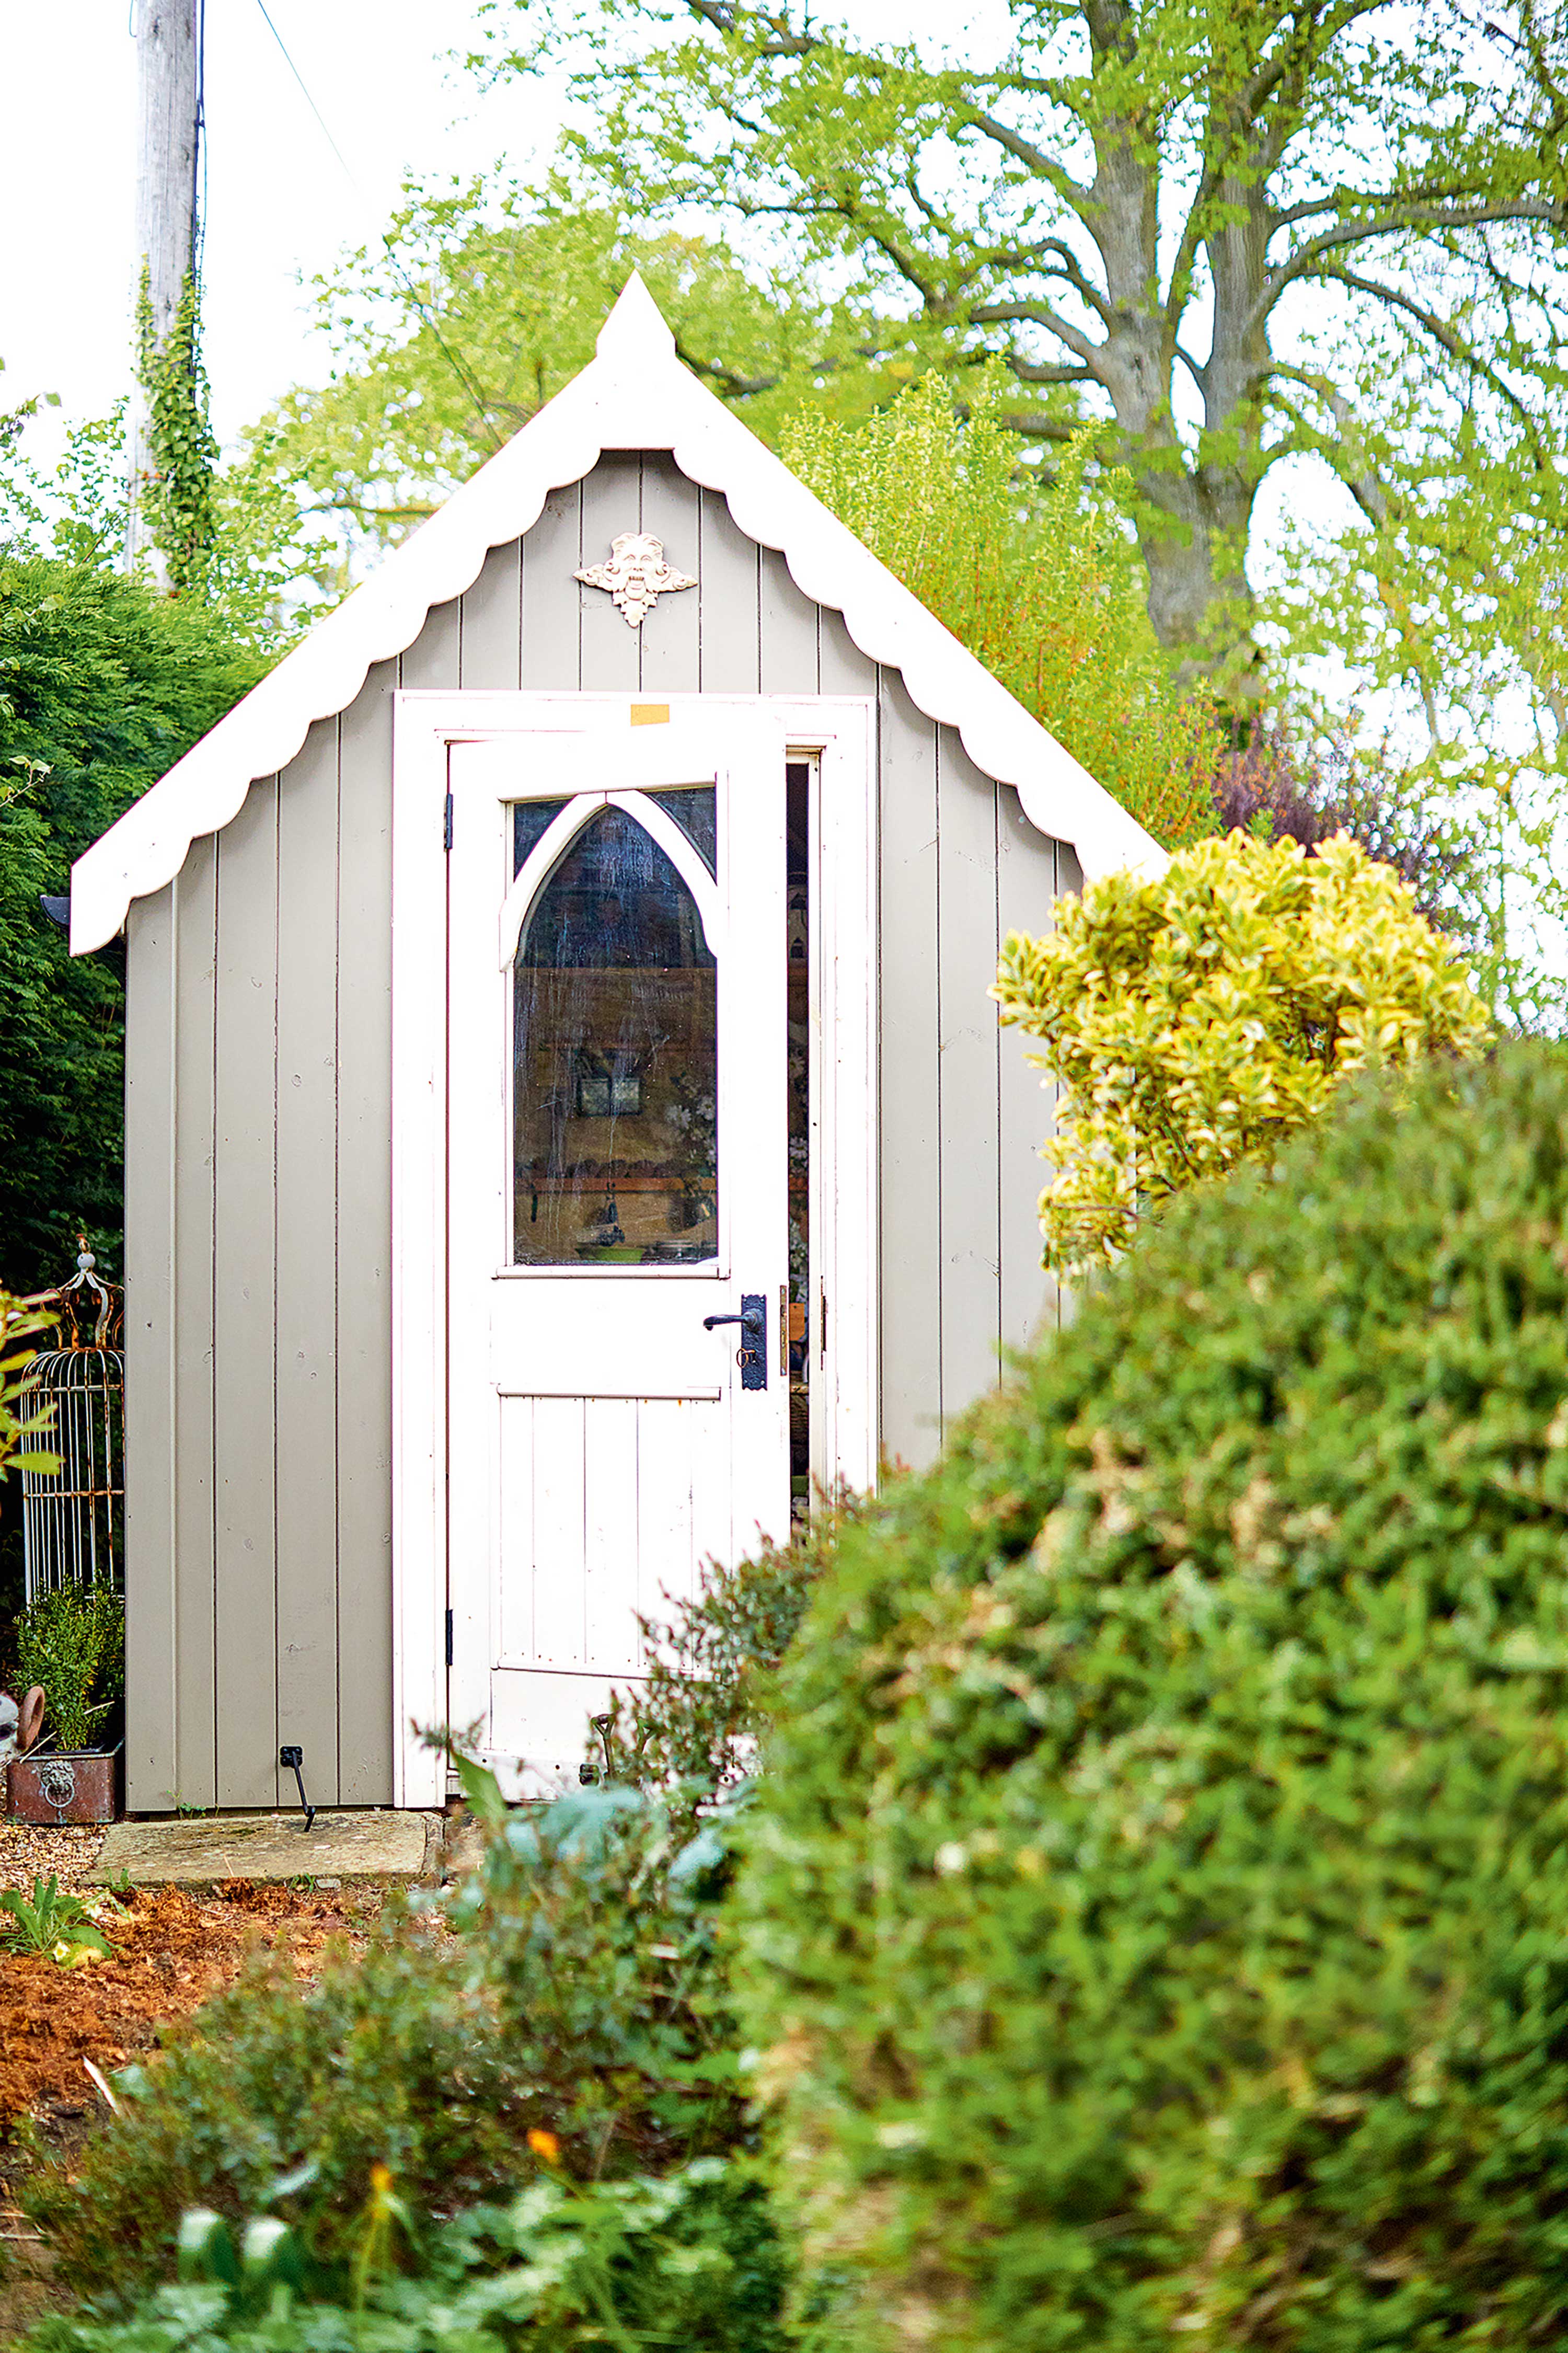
pixel 279 205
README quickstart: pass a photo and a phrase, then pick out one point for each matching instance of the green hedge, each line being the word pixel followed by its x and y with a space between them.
pixel 1158 1907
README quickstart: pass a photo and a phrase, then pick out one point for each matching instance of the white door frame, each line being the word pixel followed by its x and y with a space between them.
pixel 839 734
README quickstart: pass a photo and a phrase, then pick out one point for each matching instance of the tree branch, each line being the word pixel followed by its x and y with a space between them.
pixel 1037 314
pixel 1454 344
pixel 1035 159
pixel 1046 370
pixel 1404 214
pixel 1371 494
pixel 778 41
pixel 1036 427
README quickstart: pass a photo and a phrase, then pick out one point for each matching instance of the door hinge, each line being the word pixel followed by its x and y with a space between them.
pixel 446 826
pixel 449 1638
pixel 822 1342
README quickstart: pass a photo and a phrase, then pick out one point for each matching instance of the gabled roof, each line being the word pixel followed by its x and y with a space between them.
pixel 635 395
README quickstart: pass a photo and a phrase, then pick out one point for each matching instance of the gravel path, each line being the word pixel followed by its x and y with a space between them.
pixel 28 1853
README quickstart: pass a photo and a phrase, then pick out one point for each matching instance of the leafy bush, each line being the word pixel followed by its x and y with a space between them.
pixel 71 1642
pixel 691 2260
pixel 695 1726
pixel 1272 785
pixel 1044 584
pixel 582 2009
pixel 51 1920
pixel 1196 1020
pixel 1157 1904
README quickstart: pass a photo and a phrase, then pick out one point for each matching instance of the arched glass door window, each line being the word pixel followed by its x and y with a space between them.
pixel 615 1042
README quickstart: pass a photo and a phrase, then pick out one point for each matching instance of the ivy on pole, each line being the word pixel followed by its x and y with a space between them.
pixel 175 488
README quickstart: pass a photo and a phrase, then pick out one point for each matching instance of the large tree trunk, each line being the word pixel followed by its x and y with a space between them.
pixel 1195 507
pixel 1193 534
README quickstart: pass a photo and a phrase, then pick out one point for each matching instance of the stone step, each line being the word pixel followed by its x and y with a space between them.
pixel 200 1849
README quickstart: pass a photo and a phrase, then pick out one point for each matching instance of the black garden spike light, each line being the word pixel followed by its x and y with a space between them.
pixel 291 1757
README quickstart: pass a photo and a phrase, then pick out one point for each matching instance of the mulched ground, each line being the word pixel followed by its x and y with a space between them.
pixel 172 1950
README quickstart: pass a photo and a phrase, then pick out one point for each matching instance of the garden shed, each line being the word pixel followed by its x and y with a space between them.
pixel 564 1112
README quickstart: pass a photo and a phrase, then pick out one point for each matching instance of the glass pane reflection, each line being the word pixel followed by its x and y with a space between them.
pixel 528 820
pixel 616 1047
pixel 694 809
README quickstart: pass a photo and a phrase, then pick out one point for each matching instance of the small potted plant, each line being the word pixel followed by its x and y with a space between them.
pixel 70 1643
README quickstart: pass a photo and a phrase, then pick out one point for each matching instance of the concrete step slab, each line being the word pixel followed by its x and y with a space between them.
pixel 198 1850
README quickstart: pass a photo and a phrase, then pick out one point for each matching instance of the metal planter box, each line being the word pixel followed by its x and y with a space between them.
pixel 65 1786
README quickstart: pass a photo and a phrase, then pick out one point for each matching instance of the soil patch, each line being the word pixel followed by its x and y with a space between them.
pixel 172 1950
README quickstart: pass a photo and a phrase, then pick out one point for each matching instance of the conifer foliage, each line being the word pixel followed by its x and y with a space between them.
pixel 103 684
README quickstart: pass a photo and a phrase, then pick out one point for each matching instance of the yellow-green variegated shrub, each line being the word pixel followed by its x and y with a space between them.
pixel 1194 1021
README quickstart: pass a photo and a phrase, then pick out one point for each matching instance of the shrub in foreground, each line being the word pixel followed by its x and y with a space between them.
pixel 1158 1901
pixel 691 2260
pixel 583 1999
pixel 276 2098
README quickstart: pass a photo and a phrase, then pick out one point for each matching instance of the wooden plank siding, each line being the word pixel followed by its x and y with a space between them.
pixel 362 1329
pixel 258 1129
pixel 151 1357
pixel 196 1215
pixel 244 1303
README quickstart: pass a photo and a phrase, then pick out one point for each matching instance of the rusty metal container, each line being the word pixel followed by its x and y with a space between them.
pixel 74 1786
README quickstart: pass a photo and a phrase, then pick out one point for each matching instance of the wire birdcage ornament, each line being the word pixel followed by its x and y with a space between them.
pixel 73 1518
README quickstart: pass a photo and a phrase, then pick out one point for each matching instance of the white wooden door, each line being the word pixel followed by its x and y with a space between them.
pixel 616 1181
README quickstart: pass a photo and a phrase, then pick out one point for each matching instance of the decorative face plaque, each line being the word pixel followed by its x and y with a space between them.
pixel 637 575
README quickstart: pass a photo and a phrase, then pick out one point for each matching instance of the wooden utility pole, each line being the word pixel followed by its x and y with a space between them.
pixel 168 105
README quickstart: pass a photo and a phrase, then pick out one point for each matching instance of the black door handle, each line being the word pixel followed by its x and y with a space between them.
pixel 752 1320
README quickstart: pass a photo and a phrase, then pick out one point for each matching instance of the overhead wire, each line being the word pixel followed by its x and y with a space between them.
pixel 423 308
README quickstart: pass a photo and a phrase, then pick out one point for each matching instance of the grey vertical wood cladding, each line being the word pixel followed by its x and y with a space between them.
pixel 491 650
pixel 970 1156
pixel 729 569
pixel 364 1301
pixel 307 1257
pixel 611 658
pixel 671 648
pixel 194 1783
pixel 259 1135
pixel 245 1303
pixel 912 1296
pixel 151 1355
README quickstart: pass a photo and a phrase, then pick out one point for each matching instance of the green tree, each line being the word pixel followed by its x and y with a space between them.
pixel 473 311
pixel 1148 211
pixel 1440 581
pixel 103 684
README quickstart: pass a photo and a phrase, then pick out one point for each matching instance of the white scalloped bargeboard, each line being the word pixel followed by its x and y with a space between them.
pixel 635 394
